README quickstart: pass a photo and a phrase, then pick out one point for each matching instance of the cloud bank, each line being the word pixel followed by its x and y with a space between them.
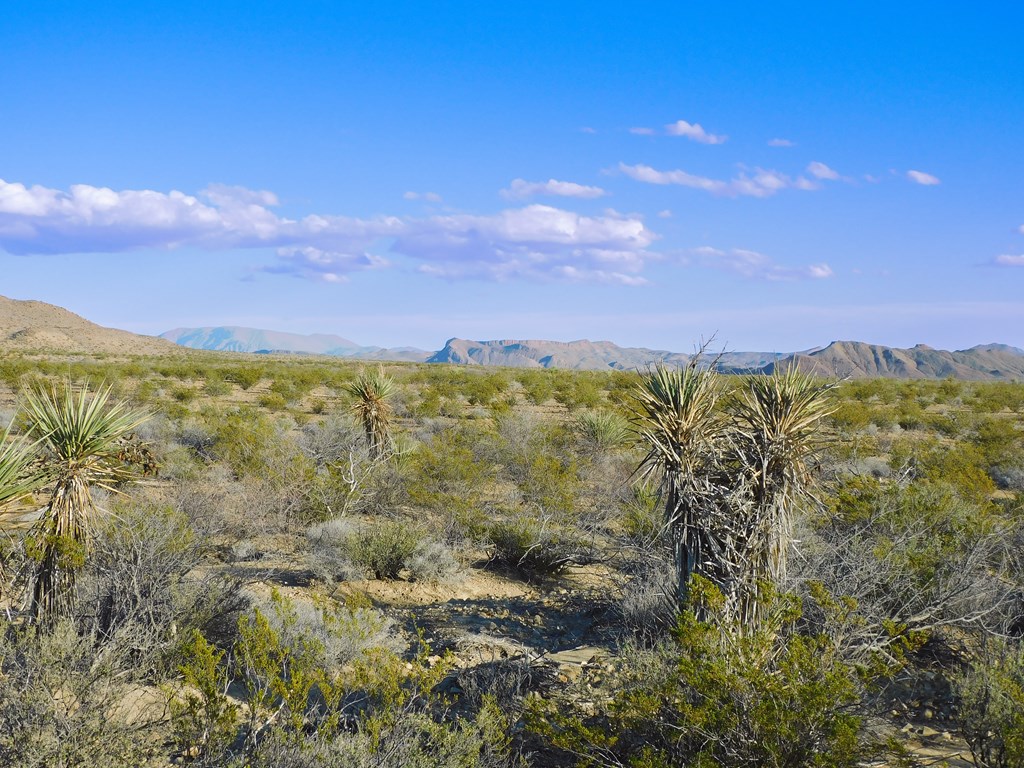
pixel 758 183
pixel 533 242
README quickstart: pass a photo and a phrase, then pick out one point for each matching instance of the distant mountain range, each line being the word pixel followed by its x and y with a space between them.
pixel 33 326
pixel 851 359
pixel 232 338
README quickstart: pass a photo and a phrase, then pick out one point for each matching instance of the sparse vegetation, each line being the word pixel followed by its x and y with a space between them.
pixel 475 575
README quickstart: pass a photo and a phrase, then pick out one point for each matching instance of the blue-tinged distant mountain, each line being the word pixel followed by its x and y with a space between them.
pixel 232 338
pixel 584 355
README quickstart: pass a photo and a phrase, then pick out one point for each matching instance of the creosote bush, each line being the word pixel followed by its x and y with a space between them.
pixel 709 697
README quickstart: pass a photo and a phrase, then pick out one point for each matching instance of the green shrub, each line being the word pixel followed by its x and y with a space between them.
pixel 991 710
pixel 536 547
pixel 246 376
pixel 772 697
pixel 385 548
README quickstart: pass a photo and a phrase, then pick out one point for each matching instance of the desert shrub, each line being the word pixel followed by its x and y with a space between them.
pixel 138 585
pixel 538 459
pixel 311 706
pixel 1009 477
pixel 347 478
pixel 204 718
pixel 244 375
pixel 484 388
pixel 329 554
pixel 648 608
pixel 273 401
pixel 912 559
pixel 995 396
pixel 991 709
pixel 536 547
pixel 433 561
pixel 62 702
pixel 397 738
pixel 851 415
pixel 448 475
pixel 581 390
pixel 384 548
pixel 538 386
pixel 712 698
pixel 642 518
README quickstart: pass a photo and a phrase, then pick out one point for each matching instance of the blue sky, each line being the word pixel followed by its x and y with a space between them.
pixel 780 175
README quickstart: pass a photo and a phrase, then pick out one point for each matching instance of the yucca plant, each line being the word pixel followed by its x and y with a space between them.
pixel 602 431
pixel 17 480
pixel 677 419
pixel 776 421
pixel 371 391
pixel 731 477
pixel 78 433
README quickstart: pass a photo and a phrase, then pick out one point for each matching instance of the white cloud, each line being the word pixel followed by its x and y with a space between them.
pixel 759 183
pixel 328 266
pixel 665 214
pixel 587 129
pixel 430 197
pixel 533 242
pixel 538 242
pixel 520 188
pixel 781 143
pixel 1008 260
pixel 642 131
pixel 920 177
pixel 1021 229
pixel 757 266
pixel 822 171
pixel 694 132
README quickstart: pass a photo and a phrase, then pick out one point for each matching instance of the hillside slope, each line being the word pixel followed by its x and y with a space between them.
pixel 29 326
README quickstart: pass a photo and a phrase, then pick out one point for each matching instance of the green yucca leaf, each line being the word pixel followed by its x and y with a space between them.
pixel 16 478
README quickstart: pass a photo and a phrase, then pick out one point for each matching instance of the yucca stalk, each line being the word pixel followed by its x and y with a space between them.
pixel 677 419
pixel 371 392
pixel 78 432
pixel 776 425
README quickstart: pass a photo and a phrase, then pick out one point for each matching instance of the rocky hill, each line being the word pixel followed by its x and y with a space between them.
pixel 855 359
pixel 32 326
pixel 576 355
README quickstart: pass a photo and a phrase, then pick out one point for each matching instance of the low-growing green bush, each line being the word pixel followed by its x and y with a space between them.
pixel 708 697
pixel 536 547
pixel 991 709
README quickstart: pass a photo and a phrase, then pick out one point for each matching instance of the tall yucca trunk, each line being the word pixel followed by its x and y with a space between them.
pixel 676 418
pixel 776 429
pixel 61 542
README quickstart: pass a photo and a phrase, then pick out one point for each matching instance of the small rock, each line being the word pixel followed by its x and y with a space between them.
pixel 929 714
